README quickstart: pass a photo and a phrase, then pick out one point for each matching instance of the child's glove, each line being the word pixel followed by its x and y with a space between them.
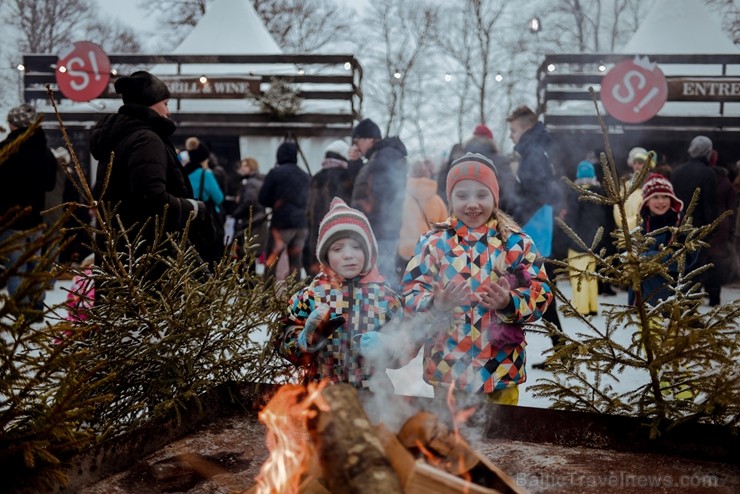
pixel 371 343
pixel 317 328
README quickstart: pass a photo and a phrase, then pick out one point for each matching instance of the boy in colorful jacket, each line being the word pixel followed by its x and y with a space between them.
pixel 478 278
pixel 335 321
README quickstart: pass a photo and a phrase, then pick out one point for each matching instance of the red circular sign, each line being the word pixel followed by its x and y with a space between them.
pixel 83 71
pixel 634 91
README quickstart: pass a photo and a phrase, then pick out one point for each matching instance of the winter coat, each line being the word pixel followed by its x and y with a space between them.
pixel 366 302
pixel 463 349
pixel 631 208
pixel 332 181
pixel 248 207
pixel 537 185
pixel 585 217
pixel 692 175
pixel 422 207
pixel 146 175
pixel 285 190
pixel 211 190
pixel 379 188
pixel 26 176
pixel 720 241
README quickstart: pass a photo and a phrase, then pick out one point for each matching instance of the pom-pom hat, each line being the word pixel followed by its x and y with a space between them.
pixel 22 116
pixel 341 222
pixel 657 184
pixel 483 131
pixel 473 166
pixel 142 88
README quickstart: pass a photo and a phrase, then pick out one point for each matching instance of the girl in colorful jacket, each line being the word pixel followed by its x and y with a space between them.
pixel 477 278
pixel 334 323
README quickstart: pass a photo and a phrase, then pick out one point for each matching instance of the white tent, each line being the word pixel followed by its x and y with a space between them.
pixel 233 27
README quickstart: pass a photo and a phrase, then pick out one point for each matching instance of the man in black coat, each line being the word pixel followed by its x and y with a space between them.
pixel 696 174
pixel 285 190
pixel 145 177
pixel 686 178
pixel 25 177
pixel 379 191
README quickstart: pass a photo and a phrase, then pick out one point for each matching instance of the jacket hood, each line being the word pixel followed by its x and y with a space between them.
pixel 130 118
pixel 287 153
pixel 389 142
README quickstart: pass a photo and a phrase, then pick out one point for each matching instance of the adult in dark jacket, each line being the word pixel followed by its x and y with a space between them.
pixel 25 177
pixel 285 190
pixel 721 252
pixel 145 176
pixel 333 180
pixel 537 191
pixel 537 187
pixel 379 192
pixel 696 174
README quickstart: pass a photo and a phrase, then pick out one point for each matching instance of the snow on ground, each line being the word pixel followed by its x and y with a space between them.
pixel 408 381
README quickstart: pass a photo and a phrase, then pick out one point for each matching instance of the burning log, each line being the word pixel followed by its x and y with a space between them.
pixel 448 453
pixel 351 455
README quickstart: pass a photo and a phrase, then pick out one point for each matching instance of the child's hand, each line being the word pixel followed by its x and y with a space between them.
pixel 451 295
pixel 497 295
pixel 317 328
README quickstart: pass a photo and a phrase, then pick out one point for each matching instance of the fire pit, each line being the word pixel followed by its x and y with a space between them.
pixel 543 451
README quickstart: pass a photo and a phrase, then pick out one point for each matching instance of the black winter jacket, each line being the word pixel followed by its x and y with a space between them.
pixel 380 188
pixel 692 175
pixel 325 186
pixel 285 190
pixel 26 176
pixel 145 175
pixel 585 217
pixel 537 182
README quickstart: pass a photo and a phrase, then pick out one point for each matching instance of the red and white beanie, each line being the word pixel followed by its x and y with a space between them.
pixel 473 166
pixel 343 221
pixel 657 184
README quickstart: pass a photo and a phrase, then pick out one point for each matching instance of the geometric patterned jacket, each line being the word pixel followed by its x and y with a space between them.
pixel 366 302
pixel 464 347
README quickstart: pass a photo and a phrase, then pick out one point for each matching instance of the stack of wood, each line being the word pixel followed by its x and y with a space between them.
pixel 356 457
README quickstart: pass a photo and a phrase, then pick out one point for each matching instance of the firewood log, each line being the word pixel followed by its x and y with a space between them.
pixel 350 453
pixel 425 429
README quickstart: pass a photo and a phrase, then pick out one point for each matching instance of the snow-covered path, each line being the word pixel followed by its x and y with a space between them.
pixel 407 380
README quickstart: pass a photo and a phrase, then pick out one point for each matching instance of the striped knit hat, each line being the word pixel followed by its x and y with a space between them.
pixel 657 184
pixel 473 166
pixel 343 221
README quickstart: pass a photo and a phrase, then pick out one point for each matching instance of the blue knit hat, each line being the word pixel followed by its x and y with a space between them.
pixel 585 170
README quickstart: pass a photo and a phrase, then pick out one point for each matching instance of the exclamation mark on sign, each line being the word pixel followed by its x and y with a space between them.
pixel 94 63
pixel 650 95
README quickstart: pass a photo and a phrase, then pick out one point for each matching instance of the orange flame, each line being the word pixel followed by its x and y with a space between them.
pixel 291 450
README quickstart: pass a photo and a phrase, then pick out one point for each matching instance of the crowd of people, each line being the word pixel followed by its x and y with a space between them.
pixel 456 251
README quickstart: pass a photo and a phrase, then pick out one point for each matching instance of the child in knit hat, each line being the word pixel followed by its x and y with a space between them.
pixel 333 323
pixel 659 208
pixel 477 278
